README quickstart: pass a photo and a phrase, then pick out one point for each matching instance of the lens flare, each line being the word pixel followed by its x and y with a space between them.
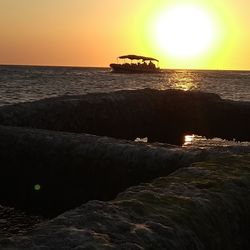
pixel 37 187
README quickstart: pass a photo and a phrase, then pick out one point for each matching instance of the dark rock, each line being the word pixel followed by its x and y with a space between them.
pixel 163 116
pixel 14 222
pixel 205 206
pixel 48 172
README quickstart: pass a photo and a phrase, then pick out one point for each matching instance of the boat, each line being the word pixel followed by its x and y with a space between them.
pixel 137 64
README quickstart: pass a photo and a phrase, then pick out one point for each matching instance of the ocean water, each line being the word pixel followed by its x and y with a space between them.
pixel 29 83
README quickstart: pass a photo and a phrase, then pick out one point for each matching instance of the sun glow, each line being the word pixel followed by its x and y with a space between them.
pixel 184 31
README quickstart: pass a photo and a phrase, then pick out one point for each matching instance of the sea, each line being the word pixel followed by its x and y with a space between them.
pixel 29 83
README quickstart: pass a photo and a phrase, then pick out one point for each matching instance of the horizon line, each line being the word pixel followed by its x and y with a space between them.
pixel 107 67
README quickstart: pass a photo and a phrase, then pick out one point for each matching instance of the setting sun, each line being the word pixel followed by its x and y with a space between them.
pixel 188 34
pixel 124 124
pixel 184 31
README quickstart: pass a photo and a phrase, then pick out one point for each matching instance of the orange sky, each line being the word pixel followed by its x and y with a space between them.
pixel 95 32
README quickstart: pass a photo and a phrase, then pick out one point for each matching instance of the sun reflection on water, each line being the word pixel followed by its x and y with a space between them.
pixel 188 139
pixel 182 80
pixel 202 142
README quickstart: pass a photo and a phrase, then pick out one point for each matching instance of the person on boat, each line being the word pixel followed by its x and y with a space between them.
pixel 151 65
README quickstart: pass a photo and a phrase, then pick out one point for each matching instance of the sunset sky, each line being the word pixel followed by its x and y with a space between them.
pixel 201 34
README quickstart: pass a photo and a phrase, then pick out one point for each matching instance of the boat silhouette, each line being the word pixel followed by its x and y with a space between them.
pixel 142 64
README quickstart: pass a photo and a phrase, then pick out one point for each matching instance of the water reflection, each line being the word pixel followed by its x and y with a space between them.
pixel 21 84
pixel 188 140
pixel 183 80
pixel 197 141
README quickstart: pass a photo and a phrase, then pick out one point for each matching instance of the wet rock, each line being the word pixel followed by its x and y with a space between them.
pixel 163 116
pixel 48 172
pixel 205 206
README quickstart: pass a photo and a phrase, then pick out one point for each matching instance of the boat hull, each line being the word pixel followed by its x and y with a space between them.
pixel 130 68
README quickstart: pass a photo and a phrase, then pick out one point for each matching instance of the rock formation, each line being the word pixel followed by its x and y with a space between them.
pixel 48 172
pixel 58 153
pixel 163 116
pixel 204 206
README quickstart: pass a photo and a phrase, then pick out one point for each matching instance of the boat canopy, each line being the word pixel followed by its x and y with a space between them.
pixel 135 57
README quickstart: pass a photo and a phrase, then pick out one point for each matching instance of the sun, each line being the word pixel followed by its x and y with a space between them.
pixel 184 31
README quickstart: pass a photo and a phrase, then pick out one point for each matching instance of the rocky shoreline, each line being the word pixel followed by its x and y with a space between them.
pixel 162 116
pixel 74 168
pixel 59 153
pixel 204 206
pixel 16 222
